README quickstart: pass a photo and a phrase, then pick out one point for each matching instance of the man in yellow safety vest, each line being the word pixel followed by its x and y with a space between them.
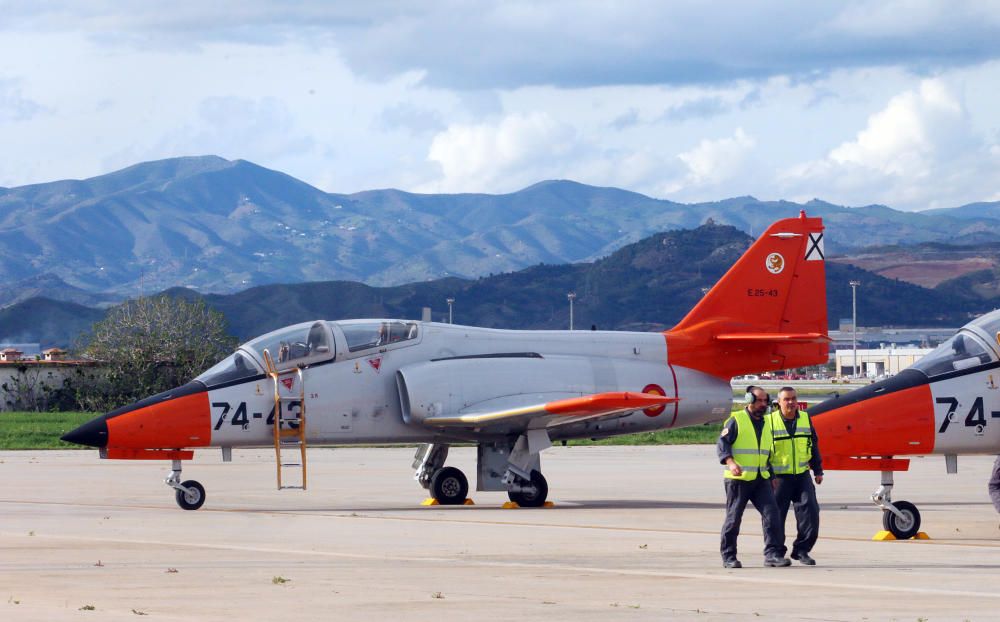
pixel 744 446
pixel 796 451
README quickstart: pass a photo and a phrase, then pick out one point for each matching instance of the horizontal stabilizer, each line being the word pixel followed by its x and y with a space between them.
pixel 776 337
pixel 767 312
pixel 587 406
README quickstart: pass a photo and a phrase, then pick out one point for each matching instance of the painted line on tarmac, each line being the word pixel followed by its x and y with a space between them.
pixel 768 577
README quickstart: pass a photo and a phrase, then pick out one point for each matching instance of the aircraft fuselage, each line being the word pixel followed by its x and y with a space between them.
pixel 355 398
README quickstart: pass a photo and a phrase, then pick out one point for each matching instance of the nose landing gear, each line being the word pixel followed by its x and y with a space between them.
pixel 901 519
pixel 447 485
pixel 190 494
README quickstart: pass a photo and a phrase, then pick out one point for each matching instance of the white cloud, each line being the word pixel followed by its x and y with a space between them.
pixel 901 139
pixel 712 162
pixel 508 44
pixel 915 18
pixel 222 126
pixel 668 99
pixel 514 152
pixel 919 151
pixel 14 106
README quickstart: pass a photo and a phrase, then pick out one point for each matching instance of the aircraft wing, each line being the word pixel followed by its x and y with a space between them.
pixel 554 412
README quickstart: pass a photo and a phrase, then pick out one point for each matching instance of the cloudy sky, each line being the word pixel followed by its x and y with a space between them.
pixel 883 101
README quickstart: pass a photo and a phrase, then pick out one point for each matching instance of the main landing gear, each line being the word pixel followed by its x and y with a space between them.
pixel 530 492
pixel 190 494
pixel 513 467
pixel 901 519
pixel 522 471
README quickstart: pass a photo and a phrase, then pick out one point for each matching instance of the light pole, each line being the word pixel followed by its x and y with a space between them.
pixel 571 297
pixel 854 323
pixel 450 301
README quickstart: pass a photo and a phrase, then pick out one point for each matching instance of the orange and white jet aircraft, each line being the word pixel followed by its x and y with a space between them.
pixel 942 404
pixel 511 392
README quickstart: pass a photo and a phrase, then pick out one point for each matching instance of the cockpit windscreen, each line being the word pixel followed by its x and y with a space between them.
pixel 962 351
pixel 234 367
pixel 294 345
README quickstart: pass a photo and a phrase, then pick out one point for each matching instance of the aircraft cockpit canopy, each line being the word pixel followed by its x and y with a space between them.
pixel 369 334
pixel 989 324
pixel 298 345
pixel 962 351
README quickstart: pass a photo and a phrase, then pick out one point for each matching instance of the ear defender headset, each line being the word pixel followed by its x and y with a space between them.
pixel 750 398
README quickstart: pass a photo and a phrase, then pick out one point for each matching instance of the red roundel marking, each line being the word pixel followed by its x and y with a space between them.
pixel 654 389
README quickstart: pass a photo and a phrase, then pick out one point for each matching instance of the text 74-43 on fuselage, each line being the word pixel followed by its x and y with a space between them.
pixel 947 403
pixel 511 392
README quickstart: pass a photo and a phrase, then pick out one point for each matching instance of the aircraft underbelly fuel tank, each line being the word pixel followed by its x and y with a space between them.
pixel 464 386
pixel 470 385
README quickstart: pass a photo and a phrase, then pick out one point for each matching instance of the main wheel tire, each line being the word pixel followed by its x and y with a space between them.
pixel 194 498
pixel 903 528
pixel 449 486
pixel 534 499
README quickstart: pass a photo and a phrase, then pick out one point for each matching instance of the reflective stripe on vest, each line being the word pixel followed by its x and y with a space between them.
pixel 792 452
pixel 747 452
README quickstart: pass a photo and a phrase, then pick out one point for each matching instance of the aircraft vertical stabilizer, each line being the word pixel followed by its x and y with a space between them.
pixel 767 312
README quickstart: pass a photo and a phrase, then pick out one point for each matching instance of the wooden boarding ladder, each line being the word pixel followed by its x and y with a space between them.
pixel 289 428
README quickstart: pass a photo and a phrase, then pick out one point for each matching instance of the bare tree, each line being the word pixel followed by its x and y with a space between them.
pixel 28 389
pixel 25 390
pixel 151 345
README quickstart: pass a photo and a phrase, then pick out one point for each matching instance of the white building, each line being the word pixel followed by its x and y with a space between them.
pixel 880 362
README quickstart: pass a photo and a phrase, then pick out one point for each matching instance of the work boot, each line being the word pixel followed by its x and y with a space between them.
pixel 731 563
pixel 777 562
pixel 804 559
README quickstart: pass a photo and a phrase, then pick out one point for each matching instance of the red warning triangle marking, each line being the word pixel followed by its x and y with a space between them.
pixel 375 363
pixel 288 382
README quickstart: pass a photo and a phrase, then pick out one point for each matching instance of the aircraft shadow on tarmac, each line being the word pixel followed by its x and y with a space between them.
pixel 565 504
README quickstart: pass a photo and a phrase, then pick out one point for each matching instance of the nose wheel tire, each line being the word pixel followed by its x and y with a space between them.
pixel 449 486
pixel 193 497
pixel 905 527
pixel 535 498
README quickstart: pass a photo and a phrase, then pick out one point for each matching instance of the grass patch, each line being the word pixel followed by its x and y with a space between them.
pixel 34 430
pixel 693 435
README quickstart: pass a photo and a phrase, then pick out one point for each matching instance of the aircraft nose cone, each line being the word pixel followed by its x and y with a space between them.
pixel 94 433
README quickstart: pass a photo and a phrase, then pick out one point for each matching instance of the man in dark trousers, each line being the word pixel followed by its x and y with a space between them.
pixel 994 486
pixel 744 446
pixel 796 451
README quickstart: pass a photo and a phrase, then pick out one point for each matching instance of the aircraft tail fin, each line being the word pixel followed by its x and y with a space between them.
pixel 767 312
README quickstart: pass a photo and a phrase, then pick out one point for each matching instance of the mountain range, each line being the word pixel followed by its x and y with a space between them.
pixel 648 285
pixel 220 226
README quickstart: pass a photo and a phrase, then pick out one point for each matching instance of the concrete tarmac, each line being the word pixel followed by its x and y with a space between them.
pixel 634 536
